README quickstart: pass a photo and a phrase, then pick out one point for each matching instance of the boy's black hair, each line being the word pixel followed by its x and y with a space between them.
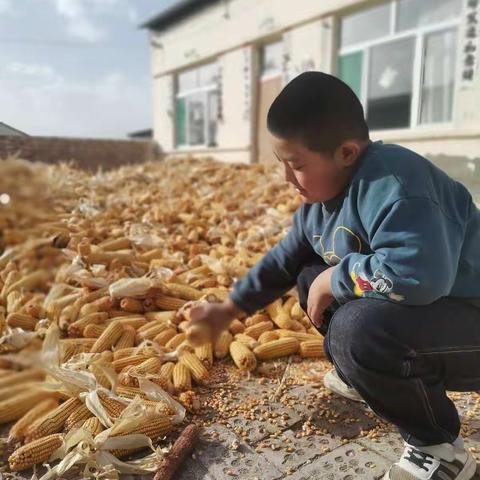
pixel 318 109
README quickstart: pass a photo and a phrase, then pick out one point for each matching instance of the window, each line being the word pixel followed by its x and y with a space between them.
pixel 271 60
pixel 196 106
pixel 399 58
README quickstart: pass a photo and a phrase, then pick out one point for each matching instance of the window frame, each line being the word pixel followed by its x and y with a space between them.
pixel 204 91
pixel 419 34
pixel 270 74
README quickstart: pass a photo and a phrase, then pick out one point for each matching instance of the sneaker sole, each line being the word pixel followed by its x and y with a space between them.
pixel 467 473
pixel 343 393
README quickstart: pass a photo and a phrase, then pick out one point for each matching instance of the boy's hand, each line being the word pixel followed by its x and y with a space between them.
pixel 217 316
pixel 320 296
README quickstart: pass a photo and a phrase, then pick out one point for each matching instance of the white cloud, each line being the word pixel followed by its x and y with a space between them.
pixel 109 106
pixel 5 6
pixel 82 16
pixel 80 23
pixel 35 70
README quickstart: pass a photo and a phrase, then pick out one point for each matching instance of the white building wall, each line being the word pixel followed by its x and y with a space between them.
pixel 309 30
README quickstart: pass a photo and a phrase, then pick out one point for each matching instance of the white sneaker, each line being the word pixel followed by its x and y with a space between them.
pixel 333 382
pixel 446 461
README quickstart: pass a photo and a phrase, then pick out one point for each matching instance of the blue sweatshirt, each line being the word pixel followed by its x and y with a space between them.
pixel 402 231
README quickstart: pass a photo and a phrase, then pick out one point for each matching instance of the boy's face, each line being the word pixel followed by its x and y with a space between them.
pixel 316 176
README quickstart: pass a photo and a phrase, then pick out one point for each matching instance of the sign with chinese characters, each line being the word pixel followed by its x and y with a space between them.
pixel 471 43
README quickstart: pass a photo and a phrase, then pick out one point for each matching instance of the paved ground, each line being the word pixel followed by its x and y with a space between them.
pixel 305 433
pixel 282 423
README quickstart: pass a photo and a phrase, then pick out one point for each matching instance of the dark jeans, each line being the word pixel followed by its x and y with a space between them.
pixel 403 358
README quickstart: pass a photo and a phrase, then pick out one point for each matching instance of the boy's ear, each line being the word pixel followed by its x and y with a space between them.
pixel 347 153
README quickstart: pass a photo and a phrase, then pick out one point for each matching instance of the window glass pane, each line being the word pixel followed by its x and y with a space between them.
pixel 350 71
pixel 180 122
pixel 207 75
pixel 196 119
pixel 212 118
pixel 272 58
pixel 365 25
pixel 187 80
pixel 414 13
pixel 390 84
pixel 438 77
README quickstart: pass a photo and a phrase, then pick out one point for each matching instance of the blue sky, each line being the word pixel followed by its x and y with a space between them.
pixel 76 68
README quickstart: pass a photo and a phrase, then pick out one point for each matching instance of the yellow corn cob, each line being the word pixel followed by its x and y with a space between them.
pixel 152 324
pixel 29 281
pixel 93 331
pixel 21 320
pixel 175 341
pixel 312 348
pixel 21 377
pixel 17 432
pixel 151 333
pixel 113 407
pixel 12 390
pixel 256 330
pixel 135 322
pixel 127 338
pixel 123 352
pixel 236 326
pixel 126 391
pixel 103 304
pixel 53 421
pixel 15 407
pixel 76 328
pixel 277 348
pixel 115 244
pixel 159 407
pixel 297 326
pixel 202 269
pixel 314 331
pixel 297 312
pixel 196 367
pixel 163 316
pixel 280 317
pixel 105 357
pixel 242 356
pixel 205 354
pixel 34 452
pixel 166 370
pixel 108 338
pixel 68 348
pixel 288 304
pixel 184 292
pixel 78 416
pixel 3 321
pixel 222 344
pixel 152 365
pixel 93 425
pixel 162 382
pixel 163 337
pixel 99 375
pixel 34 309
pixel 268 336
pixel 131 360
pixel 131 305
pixel 247 340
pixel 154 425
pixel 258 318
pixel 11 278
pixel 13 301
pixel 182 379
pixel 169 303
pixel 300 336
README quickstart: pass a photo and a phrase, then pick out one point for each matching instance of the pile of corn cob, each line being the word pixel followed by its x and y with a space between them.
pixel 117 262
